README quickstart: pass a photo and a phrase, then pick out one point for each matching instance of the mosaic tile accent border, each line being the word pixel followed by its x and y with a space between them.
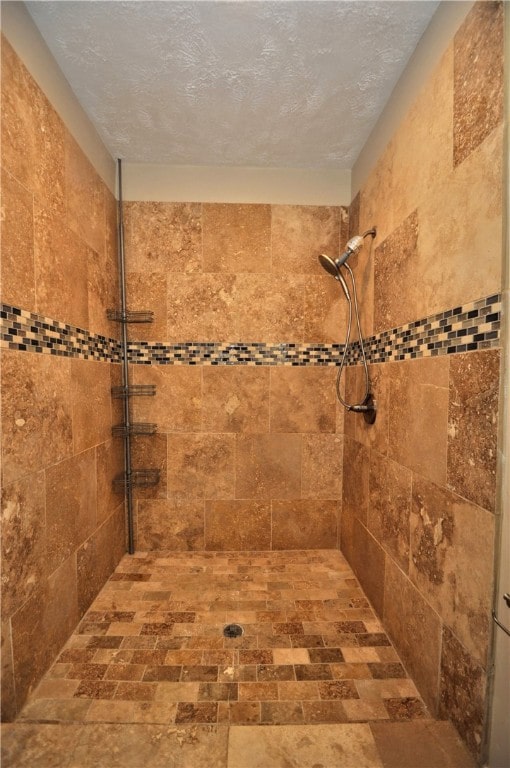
pixel 471 327
pixel 217 353
pixel 27 331
pixel 462 329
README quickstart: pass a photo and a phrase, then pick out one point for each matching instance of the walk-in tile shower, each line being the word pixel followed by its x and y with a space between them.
pixel 356 555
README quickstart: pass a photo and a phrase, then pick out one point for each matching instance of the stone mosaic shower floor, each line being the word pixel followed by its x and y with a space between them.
pixel 151 648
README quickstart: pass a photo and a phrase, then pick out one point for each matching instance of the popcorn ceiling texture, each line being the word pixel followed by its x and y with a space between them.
pixel 273 84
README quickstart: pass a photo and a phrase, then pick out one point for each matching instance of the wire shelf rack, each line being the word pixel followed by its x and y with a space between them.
pixel 138 428
pixel 130 315
pixel 139 478
pixel 134 390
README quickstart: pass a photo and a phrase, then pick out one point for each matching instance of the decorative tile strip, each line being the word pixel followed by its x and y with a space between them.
pixel 461 329
pixel 217 353
pixel 27 331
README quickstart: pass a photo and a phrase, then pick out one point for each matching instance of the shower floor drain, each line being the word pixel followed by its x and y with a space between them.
pixel 233 630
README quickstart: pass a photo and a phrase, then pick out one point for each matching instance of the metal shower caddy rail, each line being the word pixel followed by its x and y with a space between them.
pixel 130 478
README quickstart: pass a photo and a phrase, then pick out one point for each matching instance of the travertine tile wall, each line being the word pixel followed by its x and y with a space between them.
pixel 419 487
pixel 250 457
pixel 62 527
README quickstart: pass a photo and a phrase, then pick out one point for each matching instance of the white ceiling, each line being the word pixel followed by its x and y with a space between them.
pixel 267 83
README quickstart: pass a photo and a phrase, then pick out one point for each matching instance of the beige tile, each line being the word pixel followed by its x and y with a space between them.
pixel 237 525
pixel 111 252
pixel 371 435
pixel 55 689
pixel 91 398
pixel 360 655
pixel 18 276
pixel 304 524
pixel 468 205
pixel 103 292
pixel 84 197
pixel 352 391
pixel 98 556
pixel 281 712
pixel 395 284
pixel 386 689
pixel 150 452
pixel 117 403
pixel 28 120
pixel 418 416
pixel 235 399
pixel 365 709
pixel 170 524
pixel 268 466
pixel 300 233
pixel 29 419
pixel 177 404
pixel 56 710
pixel 254 747
pixel 71 503
pixel 236 237
pixel 415 630
pixel 269 308
pixel 166 692
pixel 153 712
pixel 42 625
pixel 111 712
pixel 478 77
pixel 148 291
pixel 201 466
pixel 355 485
pixel 291 656
pixel 163 237
pixel 109 463
pixel 302 399
pixel 8 690
pixel 448 535
pixel 369 564
pixel 24 562
pixel 425 132
pixel 202 307
pixel 390 507
pixel 462 692
pixel 26 744
pixel 322 460
pixel 420 744
pixel 472 426
pixel 326 310
pixel 61 269
pixel 133 745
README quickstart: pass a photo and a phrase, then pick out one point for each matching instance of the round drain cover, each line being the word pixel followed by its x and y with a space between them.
pixel 232 630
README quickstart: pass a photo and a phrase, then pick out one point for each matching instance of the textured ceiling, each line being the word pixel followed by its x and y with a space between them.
pixel 239 83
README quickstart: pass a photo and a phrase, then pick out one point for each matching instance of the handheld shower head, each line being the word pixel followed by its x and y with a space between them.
pixel 334 269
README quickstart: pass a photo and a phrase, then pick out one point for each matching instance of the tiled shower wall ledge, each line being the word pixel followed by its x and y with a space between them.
pixel 467 328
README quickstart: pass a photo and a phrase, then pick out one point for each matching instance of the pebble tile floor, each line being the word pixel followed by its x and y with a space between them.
pixel 150 655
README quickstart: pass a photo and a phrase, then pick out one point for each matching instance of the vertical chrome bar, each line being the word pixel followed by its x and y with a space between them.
pixel 125 370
